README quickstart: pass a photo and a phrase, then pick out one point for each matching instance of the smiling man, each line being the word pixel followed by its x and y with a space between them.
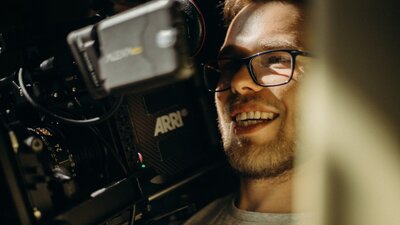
pixel 256 80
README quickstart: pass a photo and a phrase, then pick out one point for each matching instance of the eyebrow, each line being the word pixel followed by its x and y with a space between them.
pixel 280 43
pixel 263 45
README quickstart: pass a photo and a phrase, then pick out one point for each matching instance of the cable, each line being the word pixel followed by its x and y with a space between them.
pixel 70 121
pixel 5 80
pixel 132 215
pixel 112 150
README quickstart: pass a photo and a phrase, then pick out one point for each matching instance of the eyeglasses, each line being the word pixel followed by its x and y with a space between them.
pixel 267 69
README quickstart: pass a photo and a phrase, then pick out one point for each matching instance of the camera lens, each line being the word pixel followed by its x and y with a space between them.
pixel 195 26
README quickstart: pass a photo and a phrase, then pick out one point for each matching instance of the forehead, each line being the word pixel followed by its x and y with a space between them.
pixel 263 26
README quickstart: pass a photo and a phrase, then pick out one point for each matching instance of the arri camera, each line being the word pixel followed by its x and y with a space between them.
pixel 104 119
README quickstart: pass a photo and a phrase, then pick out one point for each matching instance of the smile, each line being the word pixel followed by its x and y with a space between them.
pixel 245 119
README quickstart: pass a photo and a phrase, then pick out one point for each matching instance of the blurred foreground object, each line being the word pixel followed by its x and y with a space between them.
pixel 351 109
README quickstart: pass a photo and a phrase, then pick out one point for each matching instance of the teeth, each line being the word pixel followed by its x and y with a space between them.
pixel 251 122
pixel 250 115
pixel 248 122
pixel 264 115
pixel 243 116
pixel 253 116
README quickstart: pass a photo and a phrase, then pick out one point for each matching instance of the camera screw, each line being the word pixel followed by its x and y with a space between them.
pixel 184 112
pixel 34 143
pixel 70 105
pixel 37 214
pixel 148 208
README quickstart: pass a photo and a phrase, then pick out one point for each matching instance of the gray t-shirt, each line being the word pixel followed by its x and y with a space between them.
pixel 224 212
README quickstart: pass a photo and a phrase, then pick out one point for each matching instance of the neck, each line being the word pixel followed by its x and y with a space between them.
pixel 272 195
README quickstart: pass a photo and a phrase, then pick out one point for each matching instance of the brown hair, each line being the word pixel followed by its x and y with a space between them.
pixel 232 7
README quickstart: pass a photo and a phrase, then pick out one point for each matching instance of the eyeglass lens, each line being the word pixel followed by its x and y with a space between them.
pixel 272 68
pixel 269 69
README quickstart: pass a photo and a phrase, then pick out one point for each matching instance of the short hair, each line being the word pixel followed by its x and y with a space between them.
pixel 232 7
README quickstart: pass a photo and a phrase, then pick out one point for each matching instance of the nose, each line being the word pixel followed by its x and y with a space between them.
pixel 242 82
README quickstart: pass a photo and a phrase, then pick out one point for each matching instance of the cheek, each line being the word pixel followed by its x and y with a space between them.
pixel 287 95
pixel 290 101
pixel 290 98
pixel 220 100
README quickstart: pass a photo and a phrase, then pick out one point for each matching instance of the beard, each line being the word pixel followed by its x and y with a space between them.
pixel 259 161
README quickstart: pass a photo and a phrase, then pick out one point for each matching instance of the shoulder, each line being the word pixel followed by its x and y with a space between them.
pixel 212 211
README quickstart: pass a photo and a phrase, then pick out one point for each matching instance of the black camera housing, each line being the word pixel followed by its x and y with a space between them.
pixel 61 164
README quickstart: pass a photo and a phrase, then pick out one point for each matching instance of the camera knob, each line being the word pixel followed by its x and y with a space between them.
pixel 34 143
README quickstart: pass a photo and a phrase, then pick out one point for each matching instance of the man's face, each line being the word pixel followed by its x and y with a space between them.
pixel 263 147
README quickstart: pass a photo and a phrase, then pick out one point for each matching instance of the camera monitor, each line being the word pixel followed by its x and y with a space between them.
pixel 151 50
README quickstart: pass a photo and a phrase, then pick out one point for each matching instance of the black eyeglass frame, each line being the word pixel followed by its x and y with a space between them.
pixel 248 62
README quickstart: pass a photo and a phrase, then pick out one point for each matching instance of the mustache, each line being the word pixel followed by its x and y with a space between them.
pixel 241 100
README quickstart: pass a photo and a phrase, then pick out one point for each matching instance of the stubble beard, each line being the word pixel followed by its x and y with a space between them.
pixel 254 161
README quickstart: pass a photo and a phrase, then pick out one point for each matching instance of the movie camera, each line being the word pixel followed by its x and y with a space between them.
pixel 103 119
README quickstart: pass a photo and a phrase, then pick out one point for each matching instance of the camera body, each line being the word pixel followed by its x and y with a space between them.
pixel 122 124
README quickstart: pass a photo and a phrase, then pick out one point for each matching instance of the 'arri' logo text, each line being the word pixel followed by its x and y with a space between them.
pixel 169 122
